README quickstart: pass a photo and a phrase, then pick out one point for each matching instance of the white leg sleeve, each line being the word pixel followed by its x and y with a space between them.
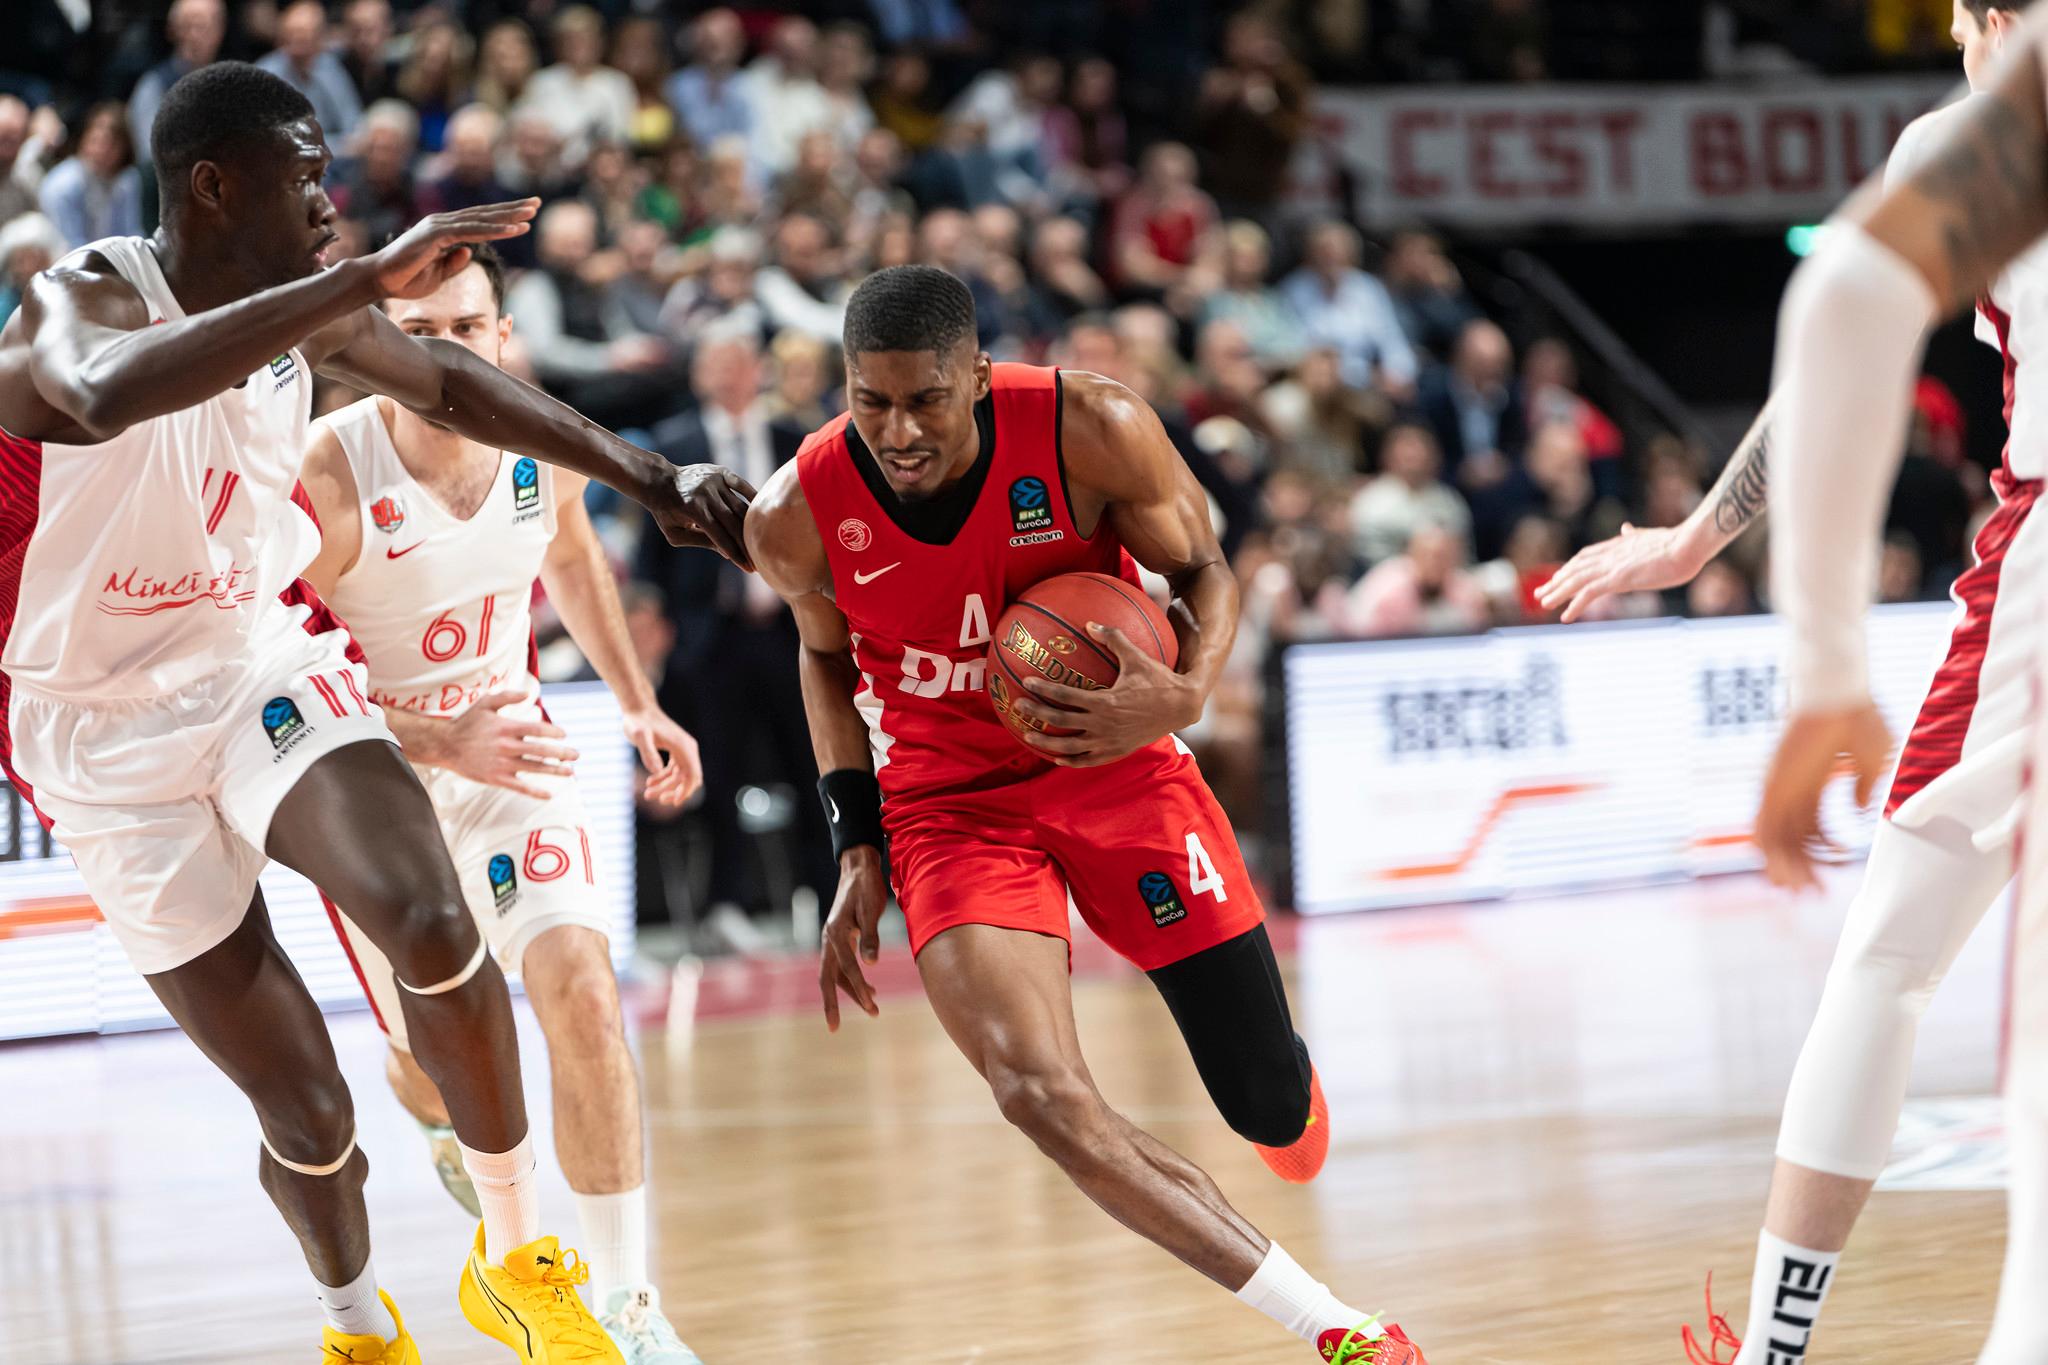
pixel 2019 1330
pixel 1850 334
pixel 1923 891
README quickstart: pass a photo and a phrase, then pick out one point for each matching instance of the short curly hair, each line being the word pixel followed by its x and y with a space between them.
pixel 214 113
pixel 908 308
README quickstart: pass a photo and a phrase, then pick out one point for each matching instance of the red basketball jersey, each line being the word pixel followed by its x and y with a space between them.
pixel 920 596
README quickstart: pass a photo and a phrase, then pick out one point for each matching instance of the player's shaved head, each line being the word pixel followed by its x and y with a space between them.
pixel 219 113
pixel 909 308
pixel 913 376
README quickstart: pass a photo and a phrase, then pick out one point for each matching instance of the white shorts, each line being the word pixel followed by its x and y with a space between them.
pixel 166 803
pixel 1964 756
pixel 526 866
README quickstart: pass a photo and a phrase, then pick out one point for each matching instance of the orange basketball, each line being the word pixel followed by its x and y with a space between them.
pixel 1044 633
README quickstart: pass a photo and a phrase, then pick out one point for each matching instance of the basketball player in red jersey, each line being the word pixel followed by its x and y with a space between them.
pixel 183 710
pixel 897 535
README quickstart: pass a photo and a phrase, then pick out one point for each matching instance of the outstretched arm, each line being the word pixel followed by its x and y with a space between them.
pixel 1652 559
pixel 1121 466
pixel 448 383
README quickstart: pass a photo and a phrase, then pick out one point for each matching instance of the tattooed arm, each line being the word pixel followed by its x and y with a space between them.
pixel 1659 557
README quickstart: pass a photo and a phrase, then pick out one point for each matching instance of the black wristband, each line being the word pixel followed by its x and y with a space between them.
pixel 853 808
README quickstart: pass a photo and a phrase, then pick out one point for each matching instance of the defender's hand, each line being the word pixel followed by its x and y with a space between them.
pixel 486 746
pixel 672 780
pixel 1809 755
pixel 436 249
pixel 704 505
pixel 1648 560
pixel 852 933
pixel 1147 702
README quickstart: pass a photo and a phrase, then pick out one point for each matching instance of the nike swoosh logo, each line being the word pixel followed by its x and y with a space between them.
pixel 400 554
pixel 866 578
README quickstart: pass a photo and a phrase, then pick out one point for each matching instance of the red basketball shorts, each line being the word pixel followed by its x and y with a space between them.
pixel 1139 847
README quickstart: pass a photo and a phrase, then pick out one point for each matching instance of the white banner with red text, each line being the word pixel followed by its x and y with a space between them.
pixel 1611 157
pixel 1553 758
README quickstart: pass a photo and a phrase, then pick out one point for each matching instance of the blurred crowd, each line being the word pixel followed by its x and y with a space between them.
pixel 1383 459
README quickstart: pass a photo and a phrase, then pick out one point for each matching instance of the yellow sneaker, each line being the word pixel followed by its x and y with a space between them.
pixel 336 1347
pixel 530 1304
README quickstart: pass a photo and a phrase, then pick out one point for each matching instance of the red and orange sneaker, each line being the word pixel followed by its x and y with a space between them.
pixel 1720 1336
pixel 1301 1160
pixel 1341 1347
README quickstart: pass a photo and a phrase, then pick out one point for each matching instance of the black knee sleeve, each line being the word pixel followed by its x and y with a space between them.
pixel 1232 1010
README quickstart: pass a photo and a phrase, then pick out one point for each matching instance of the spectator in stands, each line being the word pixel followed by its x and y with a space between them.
pixel 1252 110
pixel 303 60
pixel 722 295
pixel 640 53
pixel 375 186
pixel 803 395
pixel 946 239
pixel 646 272
pixel 817 185
pixel 1346 309
pixel 1428 589
pixel 96 192
pixel 1089 141
pixel 469 173
pixel 530 160
pixel 734 670
pixel 1322 425
pixel 1163 238
pixel 846 64
pixel 587 102
pixel 1475 406
pixel 1269 322
pixel 20 171
pixel 1900 576
pixel 1012 103
pixel 1719 589
pixel 506 65
pixel 29 245
pixel 435 78
pixel 788 100
pixel 1508 41
pixel 1408 493
pixel 1228 382
pixel 903 104
pixel 196 29
pixel 366 50
pixel 1065 282
pixel 671 196
pixel 1535 550
pixel 583 343
pixel 709 95
pixel 728 195
pixel 805 288
pixel 930 24
pixel 1429 294
pixel 1550 388
pixel 612 185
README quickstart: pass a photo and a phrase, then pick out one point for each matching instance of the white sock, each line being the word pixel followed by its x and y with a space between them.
pixel 614 1241
pixel 507 1187
pixel 1785 1294
pixel 355 1308
pixel 1295 1299
pixel 2019 1330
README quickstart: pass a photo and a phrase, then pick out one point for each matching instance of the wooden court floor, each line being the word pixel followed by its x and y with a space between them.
pixel 1551 1120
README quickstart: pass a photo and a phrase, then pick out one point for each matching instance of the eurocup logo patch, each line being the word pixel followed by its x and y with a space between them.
pixel 387 515
pixel 284 370
pixel 525 484
pixel 1156 890
pixel 282 721
pixel 504 881
pixel 1030 505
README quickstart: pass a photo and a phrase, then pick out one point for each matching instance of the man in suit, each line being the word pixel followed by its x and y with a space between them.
pixel 732 674
pixel 1475 407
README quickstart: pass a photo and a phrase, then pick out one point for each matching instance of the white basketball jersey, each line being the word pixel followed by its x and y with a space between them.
pixel 155 557
pixel 442 608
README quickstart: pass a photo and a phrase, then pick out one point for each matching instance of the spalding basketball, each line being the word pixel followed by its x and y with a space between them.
pixel 1044 633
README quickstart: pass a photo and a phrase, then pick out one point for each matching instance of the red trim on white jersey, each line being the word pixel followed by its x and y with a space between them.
pixel 21 482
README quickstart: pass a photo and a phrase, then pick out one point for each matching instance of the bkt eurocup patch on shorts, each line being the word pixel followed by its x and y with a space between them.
pixel 282 722
pixel 504 881
pixel 1156 889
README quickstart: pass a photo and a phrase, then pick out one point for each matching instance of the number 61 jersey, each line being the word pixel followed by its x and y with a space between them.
pixel 442 607
pixel 920 584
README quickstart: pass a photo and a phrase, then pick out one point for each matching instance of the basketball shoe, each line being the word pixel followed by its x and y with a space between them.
pixel 447 1153
pixel 1720 1336
pixel 1341 1347
pixel 633 1318
pixel 337 1347
pixel 1302 1159
pixel 530 1304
